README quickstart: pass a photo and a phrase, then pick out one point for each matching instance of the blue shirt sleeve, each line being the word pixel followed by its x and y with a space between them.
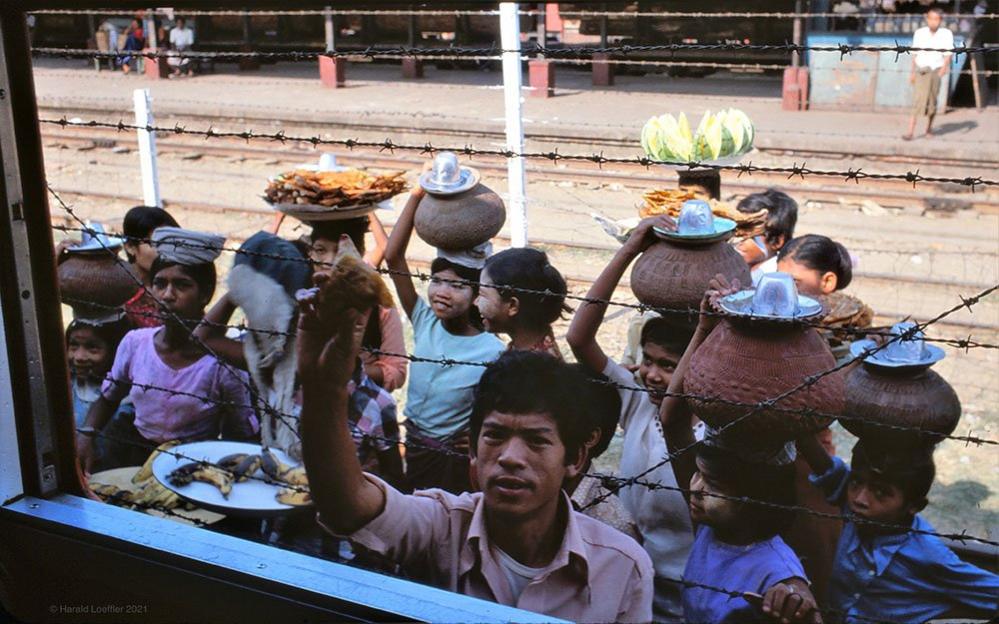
pixel 833 481
pixel 422 315
pixel 962 584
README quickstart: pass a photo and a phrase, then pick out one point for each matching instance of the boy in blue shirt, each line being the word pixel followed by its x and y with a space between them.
pixel 886 573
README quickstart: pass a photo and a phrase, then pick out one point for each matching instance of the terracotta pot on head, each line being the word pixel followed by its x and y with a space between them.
pixel 93 277
pixel 894 387
pixel 674 273
pixel 458 211
pixel 759 352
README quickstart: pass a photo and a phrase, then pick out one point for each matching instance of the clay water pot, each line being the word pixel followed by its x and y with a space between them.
pixel 907 397
pixel 460 221
pixel 751 361
pixel 671 275
pixel 98 277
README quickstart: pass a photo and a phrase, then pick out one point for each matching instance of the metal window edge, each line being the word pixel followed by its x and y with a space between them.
pixel 154 537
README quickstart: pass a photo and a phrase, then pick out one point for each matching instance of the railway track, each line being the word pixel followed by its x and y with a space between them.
pixel 885 193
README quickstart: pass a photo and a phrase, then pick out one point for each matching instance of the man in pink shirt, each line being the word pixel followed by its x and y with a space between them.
pixel 518 541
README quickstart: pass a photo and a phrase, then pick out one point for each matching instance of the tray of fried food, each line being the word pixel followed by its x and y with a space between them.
pixel 328 194
pixel 844 311
pixel 670 201
pixel 134 487
pixel 234 478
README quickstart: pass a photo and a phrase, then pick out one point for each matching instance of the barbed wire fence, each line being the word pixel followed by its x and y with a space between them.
pixel 963 344
pixel 612 482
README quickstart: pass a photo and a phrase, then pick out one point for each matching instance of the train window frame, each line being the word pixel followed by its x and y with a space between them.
pixel 40 486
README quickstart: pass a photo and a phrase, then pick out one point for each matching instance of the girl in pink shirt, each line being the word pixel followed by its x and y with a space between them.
pixel 180 391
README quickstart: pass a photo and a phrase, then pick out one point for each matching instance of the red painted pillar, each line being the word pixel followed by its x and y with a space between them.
pixel 803 87
pixel 541 77
pixel 332 71
pixel 155 67
pixel 791 91
pixel 603 72
pixel 412 68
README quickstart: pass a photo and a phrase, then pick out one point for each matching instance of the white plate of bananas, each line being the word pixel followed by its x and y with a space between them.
pixel 234 478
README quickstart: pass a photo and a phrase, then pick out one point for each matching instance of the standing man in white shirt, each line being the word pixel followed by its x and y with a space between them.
pixel 928 68
pixel 181 40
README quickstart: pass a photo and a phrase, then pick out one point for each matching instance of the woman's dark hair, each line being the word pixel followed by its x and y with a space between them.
pixel 332 230
pixel 529 269
pixel 140 221
pixel 532 382
pixel 782 213
pixel 822 254
pixel 202 274
pixel 761 482
pixel 111 332
pixel 605 408
pixel 910 468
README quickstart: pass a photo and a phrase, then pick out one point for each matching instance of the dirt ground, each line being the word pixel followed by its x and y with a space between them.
pixel 910 263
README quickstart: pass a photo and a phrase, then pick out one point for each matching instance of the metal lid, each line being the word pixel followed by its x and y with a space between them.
pixel 95 239
pixel 448 177
pixel 775 297
pixel 911 351
pixel 697 223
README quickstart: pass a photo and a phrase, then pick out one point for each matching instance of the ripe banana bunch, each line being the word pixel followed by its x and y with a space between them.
pixel 146 472
pixel 153 494
pixel 206 473
pixel 277 471
pixel 242 466
pixel 111 494
pixel 282 472
pixel 295 497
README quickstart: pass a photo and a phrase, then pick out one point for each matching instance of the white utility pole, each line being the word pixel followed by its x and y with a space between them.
pixel 512 80
pixel 147 149
pixel 328 26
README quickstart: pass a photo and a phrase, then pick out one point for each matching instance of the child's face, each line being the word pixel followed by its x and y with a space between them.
pixel 144 254
pixel 323 253
pixel 656 369
pixel 179 293
pixel 88 354
pixel 449 299
pixel 496 312
pixel 810 282
pixel 874 498
pixel 718 513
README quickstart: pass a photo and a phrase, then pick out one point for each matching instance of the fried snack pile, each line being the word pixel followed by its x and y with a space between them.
pixel 669 202
pixel 341 189
pixel 844 311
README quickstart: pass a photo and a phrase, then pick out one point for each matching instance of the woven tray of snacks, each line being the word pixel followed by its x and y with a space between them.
pixel 669 202
pixel 312 195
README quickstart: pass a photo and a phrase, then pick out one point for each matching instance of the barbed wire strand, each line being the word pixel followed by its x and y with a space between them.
pixel 609 481
pixel 527 13
pixel 526 51
pixel 964 344
pixel 448 362
pixel 799 171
